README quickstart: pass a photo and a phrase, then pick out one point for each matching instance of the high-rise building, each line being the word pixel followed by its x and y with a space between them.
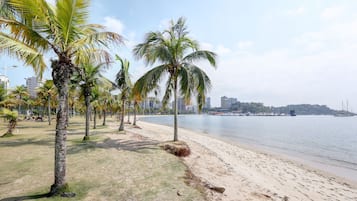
pixel 4 80
pixel 208 103
pixel 181 106
pixel 31 84
pixel 227 103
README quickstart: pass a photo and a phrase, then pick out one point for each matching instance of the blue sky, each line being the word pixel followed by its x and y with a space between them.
pixel 275 52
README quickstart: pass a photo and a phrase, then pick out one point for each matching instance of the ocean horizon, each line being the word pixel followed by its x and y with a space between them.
pixel 327 143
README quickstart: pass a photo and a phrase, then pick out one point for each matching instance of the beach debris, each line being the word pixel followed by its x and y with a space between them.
pixel 262 196
pixel 177 148
pixel 215 188
pixel 178 193
pixel 68 194
pixel 285 198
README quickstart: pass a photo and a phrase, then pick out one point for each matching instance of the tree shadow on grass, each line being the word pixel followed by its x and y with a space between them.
pixel 127 145
pixel 31 141
pixel 26 197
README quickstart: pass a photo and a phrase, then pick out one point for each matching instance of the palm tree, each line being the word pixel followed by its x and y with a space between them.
pixel 47 91
pixel 88 79
pixel 105 100
pixel 35 28
pixel 11 116
pixel 123 82
pixel 176 53
pixel 20 92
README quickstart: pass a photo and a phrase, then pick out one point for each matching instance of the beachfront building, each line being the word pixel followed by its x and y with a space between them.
pixel 32 84
pixel 4 80
pixel 150 105
pixel 181 106
pixel 226 103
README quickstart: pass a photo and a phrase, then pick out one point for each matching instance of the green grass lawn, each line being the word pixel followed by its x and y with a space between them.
pixel 111 166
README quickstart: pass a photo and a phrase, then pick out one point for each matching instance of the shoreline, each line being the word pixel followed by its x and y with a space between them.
pixel 309 162
pixel 259 174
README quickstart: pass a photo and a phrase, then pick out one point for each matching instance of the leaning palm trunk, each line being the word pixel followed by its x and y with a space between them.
pixel 175 110
pixel 49 110
pixel 87 103
pixel 61 74
pixel 121 127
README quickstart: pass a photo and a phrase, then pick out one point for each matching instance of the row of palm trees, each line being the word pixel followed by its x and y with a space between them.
pixel 33 28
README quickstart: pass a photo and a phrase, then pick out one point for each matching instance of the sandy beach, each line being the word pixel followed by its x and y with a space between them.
pixel 247 174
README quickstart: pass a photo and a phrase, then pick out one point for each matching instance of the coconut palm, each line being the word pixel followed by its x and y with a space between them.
pixel 47 92
pixel 20 93
pixel 105 101
pixel 176 53
pixel 11 116
pixel 88 79
pixel 123 82
pixel 35 28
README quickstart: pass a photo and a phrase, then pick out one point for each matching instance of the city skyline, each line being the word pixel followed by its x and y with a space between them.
pixel 276 53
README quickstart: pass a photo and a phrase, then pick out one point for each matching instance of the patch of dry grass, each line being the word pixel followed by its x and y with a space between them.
pixel 110 166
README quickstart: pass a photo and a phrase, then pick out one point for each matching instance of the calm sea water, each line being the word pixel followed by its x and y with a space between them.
pixel 325 142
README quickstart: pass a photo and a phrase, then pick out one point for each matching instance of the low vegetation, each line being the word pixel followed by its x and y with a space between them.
pixel 110 166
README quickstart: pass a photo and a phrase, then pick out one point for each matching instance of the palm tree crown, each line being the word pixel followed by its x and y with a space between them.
pixel 176 54
pixel 33 28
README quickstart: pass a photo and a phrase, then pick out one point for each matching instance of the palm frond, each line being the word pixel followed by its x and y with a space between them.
pixel 71 14
pixel 149 81
pixel 201 55
pixel 28 54
pixel 169 89
pixel 26 34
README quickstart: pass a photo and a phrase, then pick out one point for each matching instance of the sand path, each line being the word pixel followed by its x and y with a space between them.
pixel 250 175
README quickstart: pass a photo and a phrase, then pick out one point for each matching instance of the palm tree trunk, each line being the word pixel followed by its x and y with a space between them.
pixel 95 118
pixel 87 103
pixel 121 127
pixel 175 111
pixel 60 74
pixel 104 117
pixel 129 113
pixel 49 110
pixel 134 122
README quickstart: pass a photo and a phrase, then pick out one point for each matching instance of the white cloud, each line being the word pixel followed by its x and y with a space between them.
pixel 221 50
pixel 245 45
pixel 114 25
pixel 332 13
pixel 319 67
pixel 296 11
pixel 206 46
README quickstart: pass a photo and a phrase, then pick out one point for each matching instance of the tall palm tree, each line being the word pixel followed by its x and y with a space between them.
pixel 88 78
pixel 176 53
pixel 105 100
pixel 35 28
pixel 47 92
pixel 123 82
pixel 20 92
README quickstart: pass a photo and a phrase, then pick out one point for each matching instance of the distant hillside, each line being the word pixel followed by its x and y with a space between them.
pixel 300 109
pixel 305 109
